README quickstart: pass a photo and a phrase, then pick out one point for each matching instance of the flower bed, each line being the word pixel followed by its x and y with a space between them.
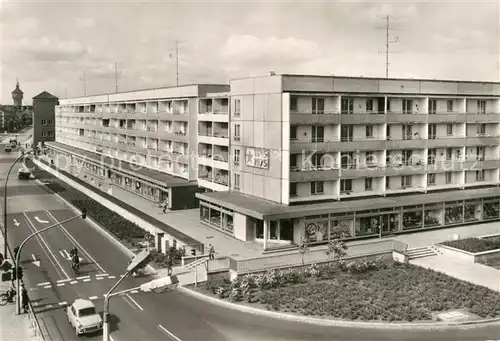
pixel 474 245
pixel 120 227
pixel 367 291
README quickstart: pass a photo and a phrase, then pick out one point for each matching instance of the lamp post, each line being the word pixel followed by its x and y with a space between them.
pixel 18 255
pixel 139 261
pixel 5 200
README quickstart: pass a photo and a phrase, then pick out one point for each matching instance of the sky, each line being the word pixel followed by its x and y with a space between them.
pixel 51 45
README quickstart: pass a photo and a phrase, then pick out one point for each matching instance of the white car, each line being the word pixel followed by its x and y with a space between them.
pixel 83 317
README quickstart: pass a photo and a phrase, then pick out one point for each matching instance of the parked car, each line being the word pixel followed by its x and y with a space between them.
pixel 24 174
pixel 8 148
pixel 83 316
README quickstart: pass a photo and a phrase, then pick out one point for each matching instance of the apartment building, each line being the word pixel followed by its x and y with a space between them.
pixel 44 111
pixel 141 142
pixel 312 156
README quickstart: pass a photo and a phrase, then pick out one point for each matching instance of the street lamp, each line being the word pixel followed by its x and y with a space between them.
pixel 18 255
pixel 5 200
pixel 138 262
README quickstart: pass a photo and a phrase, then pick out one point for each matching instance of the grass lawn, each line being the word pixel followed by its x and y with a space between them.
pixel 386 292
pixel 474 245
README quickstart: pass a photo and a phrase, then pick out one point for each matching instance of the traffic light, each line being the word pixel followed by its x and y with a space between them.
pixel 6 276
pixel 6 266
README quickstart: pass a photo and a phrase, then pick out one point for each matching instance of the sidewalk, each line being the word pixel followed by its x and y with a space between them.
pixel 13 326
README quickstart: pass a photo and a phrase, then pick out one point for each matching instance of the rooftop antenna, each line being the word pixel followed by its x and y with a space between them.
pixel 116 77
pixel 176 56
pixel 388 40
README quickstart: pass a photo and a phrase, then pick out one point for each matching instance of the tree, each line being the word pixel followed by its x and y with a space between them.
pixel 337 247
pixel 303 248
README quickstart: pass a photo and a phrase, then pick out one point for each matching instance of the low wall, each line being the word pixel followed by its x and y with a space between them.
pixel 480 257
pixel 400 257
pixel 110 205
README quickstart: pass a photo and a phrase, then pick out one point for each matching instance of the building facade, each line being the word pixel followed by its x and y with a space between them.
pixel 44 115
pixel 142 142
pixel 311 156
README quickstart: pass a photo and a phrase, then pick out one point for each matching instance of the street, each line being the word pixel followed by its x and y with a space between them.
pixel 135 316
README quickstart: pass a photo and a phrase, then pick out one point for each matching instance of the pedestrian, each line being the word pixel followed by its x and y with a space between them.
pixel 12 292
pixel 211 251
pixel 25 299
pixel 169 265
pixel 165 205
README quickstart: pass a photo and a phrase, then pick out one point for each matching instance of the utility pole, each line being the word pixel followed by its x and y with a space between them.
pixel 388 41
pixel 116 77
pixel 84 80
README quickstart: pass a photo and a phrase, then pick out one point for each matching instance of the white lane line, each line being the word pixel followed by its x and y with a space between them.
pixel 96 264
pixel 35 304
pixel 129 303
pixel 48 306
pixel 64 280
pixel 111 277
pixel 87 280
pixel 43 284
pixel 134 301
pixel 33 289
pixel 111 338
pixel 61 284
pixel 47 287
pixel 122 275
pixel 63 303
pixel 99 278
pixel 93 298
pixel 134 291
pixel 83 277
pixel 100 275
pixel 73 282
pixel 30 224
pixel 165 331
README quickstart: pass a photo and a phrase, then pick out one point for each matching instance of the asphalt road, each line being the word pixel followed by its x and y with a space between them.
pixel 146 316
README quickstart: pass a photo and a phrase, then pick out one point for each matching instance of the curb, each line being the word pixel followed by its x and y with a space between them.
pixel 98 228
pixel 338 323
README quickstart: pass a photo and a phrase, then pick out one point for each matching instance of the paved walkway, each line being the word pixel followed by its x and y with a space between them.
pixel 475 273
pixel 13 327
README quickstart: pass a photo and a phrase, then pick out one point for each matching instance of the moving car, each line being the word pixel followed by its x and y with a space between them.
pixel 24 174
pixel 8 148
pixel 83 317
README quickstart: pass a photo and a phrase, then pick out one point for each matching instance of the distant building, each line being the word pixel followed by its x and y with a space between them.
pixel 44 105
pixel 13 115
pixel 17 95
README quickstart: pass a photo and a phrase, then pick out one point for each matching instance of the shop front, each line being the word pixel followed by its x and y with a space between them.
pixel 139 187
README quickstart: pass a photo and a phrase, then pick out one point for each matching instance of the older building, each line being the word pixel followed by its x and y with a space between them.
pixel 44 105
pixel 142 142
pixel 312 156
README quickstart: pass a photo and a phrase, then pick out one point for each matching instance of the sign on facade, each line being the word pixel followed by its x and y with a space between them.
pixel 257 157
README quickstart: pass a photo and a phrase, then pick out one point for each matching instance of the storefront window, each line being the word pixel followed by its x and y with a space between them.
pixel 215 218
pixel 273 230
pixel 453 215
pixel 432 217
pixel 138 186
pixel 286 229
pixel 204 214
pixel 317 228
pixel 390 223
pixel 230 224
pixel 367 225
pixel 128 182
pixel 490 210
pixel 341 227
pixel 472 212
pixel 412 220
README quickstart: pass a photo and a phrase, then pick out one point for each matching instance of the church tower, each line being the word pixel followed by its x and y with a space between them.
pixel 17 95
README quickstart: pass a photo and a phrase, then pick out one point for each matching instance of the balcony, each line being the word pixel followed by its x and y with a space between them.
pixel 482 140
pixel 409 142
pixel 446 118
pixel 473 164
pixel 405 189
pixel 406 118
pixel 353 171
pixel 370 118
pixel 310 118
pixel 445 142
pixel 314 174
pixel 482 118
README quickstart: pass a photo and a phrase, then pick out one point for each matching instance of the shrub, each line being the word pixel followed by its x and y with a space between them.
pixel 312 271
pixel 474 245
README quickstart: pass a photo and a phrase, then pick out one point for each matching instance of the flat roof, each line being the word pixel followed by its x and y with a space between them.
pixel 153 176
pixel 263 209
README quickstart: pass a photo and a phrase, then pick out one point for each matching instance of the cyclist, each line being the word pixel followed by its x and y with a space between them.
pixel 74 252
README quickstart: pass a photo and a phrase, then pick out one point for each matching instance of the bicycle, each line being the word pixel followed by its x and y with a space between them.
pixel 76 268
pixel 6 297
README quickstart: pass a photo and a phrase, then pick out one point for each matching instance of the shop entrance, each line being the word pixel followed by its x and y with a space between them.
pixel 390 223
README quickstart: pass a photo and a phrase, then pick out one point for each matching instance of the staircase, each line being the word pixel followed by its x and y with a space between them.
pixel 196 263
pixel 421 252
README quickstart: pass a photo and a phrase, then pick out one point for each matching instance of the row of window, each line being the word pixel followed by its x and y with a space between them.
pixel 317 187
pixel 347 105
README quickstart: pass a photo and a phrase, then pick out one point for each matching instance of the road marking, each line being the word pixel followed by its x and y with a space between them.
pixel 73 282
pixel 35 304
pixel 112 277
pixel 35 261
pixel 16 223
pixel 61 284
pixel 64 280
pixel 101 275
pixel 86 280
pixel 129 303
pixel 43 284
pixel 47 287
pixel 41 221
pixel 83 277
pixel 99 278
pixel 93 298
pixel 164 330
pixel 69 236
pixel 134 291
pixel 40 241
pixel 63 303
pixel 33 289
pixel 134 301
pixel 48 306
